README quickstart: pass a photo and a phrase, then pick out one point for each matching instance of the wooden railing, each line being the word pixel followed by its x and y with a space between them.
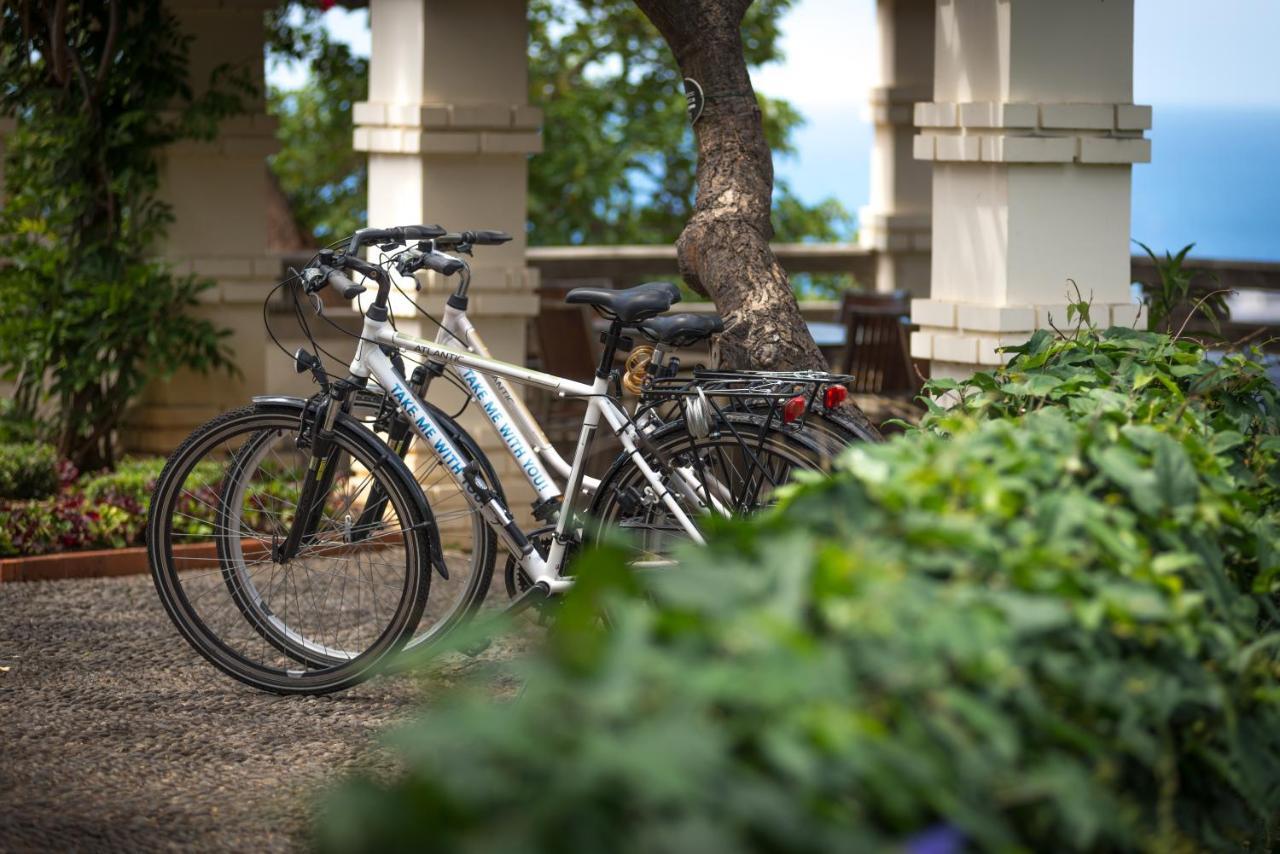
pixel 629 265
pixel 1254 288
pixel 1256 284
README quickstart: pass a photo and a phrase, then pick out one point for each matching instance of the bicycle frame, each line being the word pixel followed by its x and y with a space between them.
pixel 507 413
pixel 371 361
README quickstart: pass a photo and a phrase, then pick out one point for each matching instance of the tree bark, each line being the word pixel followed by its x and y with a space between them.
pixel 724 249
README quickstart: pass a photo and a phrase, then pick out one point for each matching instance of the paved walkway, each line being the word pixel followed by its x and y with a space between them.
pixel 115 735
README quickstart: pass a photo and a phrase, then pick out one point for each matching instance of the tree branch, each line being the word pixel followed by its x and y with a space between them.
pixel 108 47
pixel 57 43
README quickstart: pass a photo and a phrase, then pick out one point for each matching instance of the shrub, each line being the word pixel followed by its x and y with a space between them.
pixel 15 427
pixel 1174 297
pixel 91 316
pixel 1042 622
pixel 63 523
pixel 109 509
pixel 28 470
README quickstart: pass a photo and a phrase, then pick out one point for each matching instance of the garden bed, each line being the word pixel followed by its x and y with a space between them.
pixel 106 563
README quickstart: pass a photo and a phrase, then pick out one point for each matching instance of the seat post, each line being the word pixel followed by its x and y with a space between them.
pixel 610 340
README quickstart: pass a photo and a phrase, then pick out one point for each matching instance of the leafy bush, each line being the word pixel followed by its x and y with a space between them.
pixel 1174 297
pixel 63 523
pixel 15 426
pixel 28 470
pixel 1044 621
pixel 91 317
pixel 109 509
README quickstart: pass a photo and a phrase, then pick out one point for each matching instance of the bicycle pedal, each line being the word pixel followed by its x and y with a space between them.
pixel 538 593
pixel 547 510
pixel 476 649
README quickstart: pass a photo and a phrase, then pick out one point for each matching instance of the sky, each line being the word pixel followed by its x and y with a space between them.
pixel 1188 55
pixel 1184 54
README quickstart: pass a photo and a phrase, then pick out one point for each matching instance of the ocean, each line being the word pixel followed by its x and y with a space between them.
pixel 1214 179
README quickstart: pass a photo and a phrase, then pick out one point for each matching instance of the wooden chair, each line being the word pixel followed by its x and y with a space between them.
pixel 877 344
pixel 566 347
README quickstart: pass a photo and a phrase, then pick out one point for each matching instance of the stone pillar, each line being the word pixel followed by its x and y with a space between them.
pixel 896 222
pixel 1032 136
pixel 449 131
pixel 218 191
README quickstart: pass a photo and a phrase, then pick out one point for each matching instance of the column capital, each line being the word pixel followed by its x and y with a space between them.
pixel 973 333
pixel 389 128
pixel 1008 132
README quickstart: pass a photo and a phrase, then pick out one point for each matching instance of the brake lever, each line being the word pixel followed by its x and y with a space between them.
pixel 313 279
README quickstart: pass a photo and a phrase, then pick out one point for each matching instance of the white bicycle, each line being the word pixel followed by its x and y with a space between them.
pixel 294 548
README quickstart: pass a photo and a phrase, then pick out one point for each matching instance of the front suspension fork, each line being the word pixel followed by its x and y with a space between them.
pixel 316 485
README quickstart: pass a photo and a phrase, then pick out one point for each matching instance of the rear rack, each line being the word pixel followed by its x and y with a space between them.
pixel 763 385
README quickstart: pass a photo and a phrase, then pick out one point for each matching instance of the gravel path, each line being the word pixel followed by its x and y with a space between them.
pixel 115 735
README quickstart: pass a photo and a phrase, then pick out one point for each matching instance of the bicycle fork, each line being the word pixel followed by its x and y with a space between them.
pixel 316 485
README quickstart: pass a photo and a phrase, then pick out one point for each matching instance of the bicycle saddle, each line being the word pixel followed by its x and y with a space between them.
pixel 682 330
pixel 630 305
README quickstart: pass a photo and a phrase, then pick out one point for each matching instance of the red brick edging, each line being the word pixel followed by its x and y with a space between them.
pixel 101 563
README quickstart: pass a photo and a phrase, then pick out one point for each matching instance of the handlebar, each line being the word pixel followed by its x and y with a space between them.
pixel 414 260
pixel 445 265
pixel 481 237
pixel 399 234
pixel 316 277
pixel 328 267
pixel 344 286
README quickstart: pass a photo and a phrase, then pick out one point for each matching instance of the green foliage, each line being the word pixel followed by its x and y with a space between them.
pixel 109 509
pixel 1044 621
pixel 16 426
pixel 1125 375
pixel 323 177
pixel 28 470
pixel 91 317
pixel 64 522
pixel 1172 299
pixel 618 160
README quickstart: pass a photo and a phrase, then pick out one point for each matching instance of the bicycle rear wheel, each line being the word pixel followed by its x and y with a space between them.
pixel 734 471
pixel 322 620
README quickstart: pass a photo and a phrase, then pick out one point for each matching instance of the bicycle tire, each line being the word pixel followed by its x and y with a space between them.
pixel 617 493
pixel 363 637
pixel 476 577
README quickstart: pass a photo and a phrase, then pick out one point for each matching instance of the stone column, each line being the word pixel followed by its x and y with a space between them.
pixel 218 192
pixel 449 131
pixel 896 222
pixel 1032 134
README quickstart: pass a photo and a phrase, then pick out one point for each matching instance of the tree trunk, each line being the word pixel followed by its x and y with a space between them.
pixel 724 249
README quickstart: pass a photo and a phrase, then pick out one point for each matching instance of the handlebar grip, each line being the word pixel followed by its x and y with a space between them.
pixel 442 264
pixel 419 232
pixel 344 286
pixel 485 237
pixel 400 234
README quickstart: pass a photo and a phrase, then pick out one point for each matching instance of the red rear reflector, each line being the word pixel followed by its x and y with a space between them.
pixel 834 396
pixel 793 409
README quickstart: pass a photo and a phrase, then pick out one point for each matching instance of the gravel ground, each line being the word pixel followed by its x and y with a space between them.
pixel 116 735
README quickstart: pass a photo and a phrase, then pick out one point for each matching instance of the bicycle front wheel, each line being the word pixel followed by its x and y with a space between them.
pixel 468 545
pixel 317 621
